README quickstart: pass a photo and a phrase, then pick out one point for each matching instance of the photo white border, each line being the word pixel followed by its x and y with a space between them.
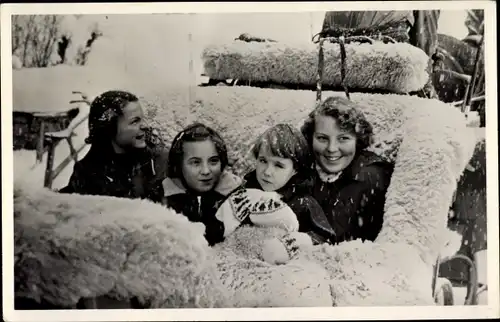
pixel 393 313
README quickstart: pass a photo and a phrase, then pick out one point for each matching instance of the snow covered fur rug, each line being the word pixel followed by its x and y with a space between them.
pixel 404 66
pixel 138 249
pixel 69 247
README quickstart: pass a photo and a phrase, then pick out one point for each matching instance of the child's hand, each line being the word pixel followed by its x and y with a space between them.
pixel 281 250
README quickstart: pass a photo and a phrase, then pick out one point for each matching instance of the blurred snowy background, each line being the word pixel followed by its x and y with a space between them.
pixel 157 46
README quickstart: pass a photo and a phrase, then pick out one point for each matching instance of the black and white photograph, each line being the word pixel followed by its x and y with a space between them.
pixel 326 162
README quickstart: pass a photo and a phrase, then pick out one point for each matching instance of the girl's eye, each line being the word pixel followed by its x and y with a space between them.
pixel 321 138
pixel 214 161
pixel 345 138
pixel 194 162
pixel 279 165
pixel 262 160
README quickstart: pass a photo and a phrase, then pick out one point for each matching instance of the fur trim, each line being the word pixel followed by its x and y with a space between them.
pixel 73 246
pixel 404 65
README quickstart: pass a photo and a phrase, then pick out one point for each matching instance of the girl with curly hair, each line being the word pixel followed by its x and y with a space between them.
pixel 350 182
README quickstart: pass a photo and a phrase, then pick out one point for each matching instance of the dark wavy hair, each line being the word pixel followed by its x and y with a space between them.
pixel 285 141
pixel 103 116
pixel 195 132
pixel 349 117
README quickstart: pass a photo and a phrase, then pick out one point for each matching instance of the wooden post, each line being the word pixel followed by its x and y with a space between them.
pixel 47 181
pixel 319 76
pixel 41 138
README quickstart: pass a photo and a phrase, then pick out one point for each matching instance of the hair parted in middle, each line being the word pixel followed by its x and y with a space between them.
pixel 195 132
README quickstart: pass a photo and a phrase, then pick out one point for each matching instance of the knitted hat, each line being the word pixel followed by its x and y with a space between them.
pixel 264 209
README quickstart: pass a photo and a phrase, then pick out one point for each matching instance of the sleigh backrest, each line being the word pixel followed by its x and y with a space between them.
pixel 427 141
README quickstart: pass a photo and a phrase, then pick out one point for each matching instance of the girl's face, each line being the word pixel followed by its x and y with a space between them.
pixel 130 128
pixel 273 172
pixel 333 148
pixel 201 165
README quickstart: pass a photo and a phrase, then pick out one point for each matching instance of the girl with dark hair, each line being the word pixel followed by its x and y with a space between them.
pixel 197 181
pixel 121 162
pixel 284 165
pixel 350 182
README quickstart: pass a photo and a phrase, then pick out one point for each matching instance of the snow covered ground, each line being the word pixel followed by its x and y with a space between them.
pixel 155 50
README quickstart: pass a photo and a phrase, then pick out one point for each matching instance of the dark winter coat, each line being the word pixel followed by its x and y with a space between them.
pixel 297 195
pixel 201 207
pixel 103 172
pixel 354 203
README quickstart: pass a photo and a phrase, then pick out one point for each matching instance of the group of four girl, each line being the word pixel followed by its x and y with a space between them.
pixel 324 172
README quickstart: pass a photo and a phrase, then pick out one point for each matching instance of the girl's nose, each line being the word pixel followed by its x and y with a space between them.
pixel 205 169
pixel 268 171
pixel 332 147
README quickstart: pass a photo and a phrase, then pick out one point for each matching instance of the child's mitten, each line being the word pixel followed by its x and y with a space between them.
pixel 263 209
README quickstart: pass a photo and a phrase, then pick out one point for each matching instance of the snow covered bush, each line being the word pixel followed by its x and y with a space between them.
pixel 34 38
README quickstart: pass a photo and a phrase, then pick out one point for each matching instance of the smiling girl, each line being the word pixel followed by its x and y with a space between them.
pixel 350 182
pixel 197 182
pixel 121 162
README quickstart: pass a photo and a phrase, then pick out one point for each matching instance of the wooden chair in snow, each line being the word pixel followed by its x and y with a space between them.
pixel 54 138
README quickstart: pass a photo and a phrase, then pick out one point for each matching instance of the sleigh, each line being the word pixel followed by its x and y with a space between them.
pixel 133 255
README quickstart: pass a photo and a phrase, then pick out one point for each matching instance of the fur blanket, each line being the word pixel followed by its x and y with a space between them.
pixel 404 66
pixel 71 246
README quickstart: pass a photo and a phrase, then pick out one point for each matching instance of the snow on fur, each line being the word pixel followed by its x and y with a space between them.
pixel 432 156
pixel 254 283
pixel 373 274
pixel 404 65
pixel 72 246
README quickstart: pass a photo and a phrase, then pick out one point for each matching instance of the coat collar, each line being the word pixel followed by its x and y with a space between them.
pixel 228 182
